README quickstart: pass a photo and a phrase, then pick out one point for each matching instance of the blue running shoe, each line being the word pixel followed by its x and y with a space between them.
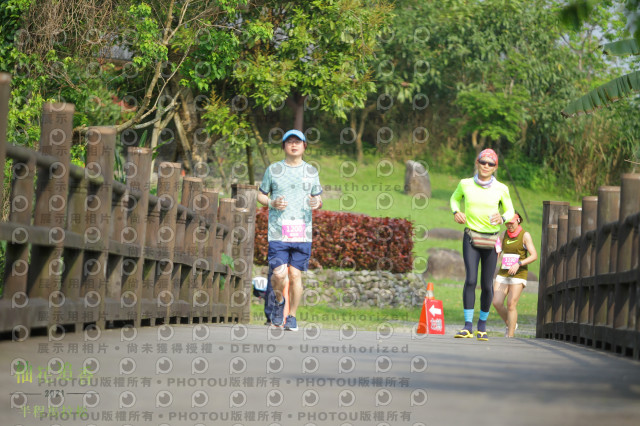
pixel 277 315
pixel 291 324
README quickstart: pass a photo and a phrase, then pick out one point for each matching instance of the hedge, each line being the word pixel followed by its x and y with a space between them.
pixel 350 241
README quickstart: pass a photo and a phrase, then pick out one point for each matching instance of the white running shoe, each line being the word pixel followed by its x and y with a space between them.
pixel 506 330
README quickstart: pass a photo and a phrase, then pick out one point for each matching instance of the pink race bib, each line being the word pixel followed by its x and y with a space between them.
pixel 508 260
pixel 293 230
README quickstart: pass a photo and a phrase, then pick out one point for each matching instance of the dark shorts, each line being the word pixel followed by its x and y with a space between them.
pixel 294 254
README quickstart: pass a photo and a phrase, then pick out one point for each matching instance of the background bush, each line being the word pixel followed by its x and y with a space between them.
pixel 350 241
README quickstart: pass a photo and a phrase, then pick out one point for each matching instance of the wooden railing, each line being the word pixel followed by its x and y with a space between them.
pixel 589 274
pixel 85 249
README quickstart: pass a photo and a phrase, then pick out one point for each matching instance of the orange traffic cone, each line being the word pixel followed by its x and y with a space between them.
pixel 422 325
pixel 429 291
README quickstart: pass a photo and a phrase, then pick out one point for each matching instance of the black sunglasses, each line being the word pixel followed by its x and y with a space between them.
pixel 486 163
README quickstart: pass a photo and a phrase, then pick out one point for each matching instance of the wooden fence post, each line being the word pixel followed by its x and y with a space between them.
pixel 586 287
pixel 550 212
pixel 100 161
pixel 168 180
pixel 225 216
pixel 560 293
pixel 138 172
pixel 211 279
pixel 74 256
pixel 16 267
pixel 575 218
pixel 548 301
pixel 51 203
pixel 246 196
pixel 608 210
pixel 575 221
pixel 200 300
pixel 17 254
pixel 191 191
pixel 627 287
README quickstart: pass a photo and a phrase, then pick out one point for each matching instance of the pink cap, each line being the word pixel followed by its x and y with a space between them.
pixel 489 153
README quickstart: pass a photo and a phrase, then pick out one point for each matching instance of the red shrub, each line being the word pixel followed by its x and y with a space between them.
pixel 350 241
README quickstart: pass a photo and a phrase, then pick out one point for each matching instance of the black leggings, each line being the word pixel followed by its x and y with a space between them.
pixel 472 256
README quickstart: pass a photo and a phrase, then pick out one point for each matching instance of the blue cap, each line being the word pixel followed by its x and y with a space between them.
pixel 296 133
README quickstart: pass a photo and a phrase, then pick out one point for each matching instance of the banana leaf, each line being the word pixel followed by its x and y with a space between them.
pixel 604 95
pixel 622 48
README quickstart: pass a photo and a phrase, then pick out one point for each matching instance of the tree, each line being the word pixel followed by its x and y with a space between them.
pixel 577 14
pixel 400 66
pixel 317 58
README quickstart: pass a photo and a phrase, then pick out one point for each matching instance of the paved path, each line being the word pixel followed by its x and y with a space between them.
pixel 237 375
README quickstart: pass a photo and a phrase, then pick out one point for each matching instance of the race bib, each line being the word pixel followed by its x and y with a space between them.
pixel 293 230
pixel 508 260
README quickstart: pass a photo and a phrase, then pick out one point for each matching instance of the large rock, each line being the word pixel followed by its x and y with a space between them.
pixel 446 234
pixel 416 179
pixel 445 263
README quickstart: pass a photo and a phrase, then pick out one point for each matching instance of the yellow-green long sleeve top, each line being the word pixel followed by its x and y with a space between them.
pixel 480 203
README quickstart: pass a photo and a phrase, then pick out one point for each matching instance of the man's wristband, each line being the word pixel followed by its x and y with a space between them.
pixel 454 213
pixel 520 262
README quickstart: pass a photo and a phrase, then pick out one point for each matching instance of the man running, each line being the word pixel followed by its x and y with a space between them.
pixel 291 189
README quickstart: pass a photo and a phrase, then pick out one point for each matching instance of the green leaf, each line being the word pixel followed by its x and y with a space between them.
pixel 228 260
pixel 604 95
pixel 622 48
pixel 576 13
pixel 143 138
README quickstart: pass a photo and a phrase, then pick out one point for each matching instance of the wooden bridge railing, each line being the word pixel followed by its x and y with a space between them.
pixel 83 248
pixel 590 270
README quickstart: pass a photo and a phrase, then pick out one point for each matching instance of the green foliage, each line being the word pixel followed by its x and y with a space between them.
pixel 222 120
pixel 494 115
pixel 79 154
pixel 604 95
pixel 318 49
pixel 228 261
pixel 576 12
pixel 148 44
pixel 622 47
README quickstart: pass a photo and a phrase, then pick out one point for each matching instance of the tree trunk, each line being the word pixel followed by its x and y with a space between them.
pixel 359 154
pixel 225 182
pixel 249 152
pixel 184 142
pixel 259 142
pixel 360 131
pixel 153 143
pixel 190 121
pixel 296 102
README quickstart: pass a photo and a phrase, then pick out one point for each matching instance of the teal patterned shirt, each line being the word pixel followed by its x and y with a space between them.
pixel 295 184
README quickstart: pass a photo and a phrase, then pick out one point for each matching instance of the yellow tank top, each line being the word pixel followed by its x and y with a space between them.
pixel 515 246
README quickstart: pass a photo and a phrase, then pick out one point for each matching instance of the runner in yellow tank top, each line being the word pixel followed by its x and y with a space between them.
pixel 518 252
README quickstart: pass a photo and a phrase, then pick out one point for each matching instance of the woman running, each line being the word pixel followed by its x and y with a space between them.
pixel 518 251
pixel 483 197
